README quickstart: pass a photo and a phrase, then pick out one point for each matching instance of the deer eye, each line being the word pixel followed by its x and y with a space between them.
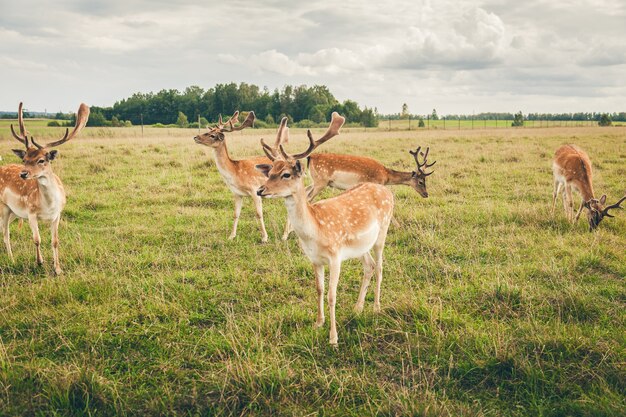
pixel 285 175
pixel 41 161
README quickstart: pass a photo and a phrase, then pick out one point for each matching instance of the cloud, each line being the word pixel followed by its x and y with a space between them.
pixel 422 52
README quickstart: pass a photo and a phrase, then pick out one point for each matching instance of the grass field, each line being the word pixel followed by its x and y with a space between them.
pixel 490 305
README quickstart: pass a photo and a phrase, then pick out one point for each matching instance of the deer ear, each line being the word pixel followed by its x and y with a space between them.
pixel 264 169
pixel 586 204
pixel 20 153
pixel 52 154
pixel 298 167
pixel 603 199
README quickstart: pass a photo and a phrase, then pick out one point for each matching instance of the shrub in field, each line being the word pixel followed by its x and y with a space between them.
pixel 605 120
pixel 518 120
pixel 420 123
pixel 53 123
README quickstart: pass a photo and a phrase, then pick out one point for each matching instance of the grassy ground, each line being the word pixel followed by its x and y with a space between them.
pixel 491 306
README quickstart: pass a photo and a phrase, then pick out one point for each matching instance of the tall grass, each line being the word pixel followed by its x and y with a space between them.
pixel 491 305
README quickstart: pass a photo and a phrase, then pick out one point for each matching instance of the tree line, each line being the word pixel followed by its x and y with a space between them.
pixel 302 105
pixel 579 116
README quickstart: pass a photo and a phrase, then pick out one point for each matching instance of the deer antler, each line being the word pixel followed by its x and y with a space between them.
pixel 81 120
pixel 229 125
pixel 23 136
pixel 281 137
pixel 333 130
pixel 423 164
pixel 617 205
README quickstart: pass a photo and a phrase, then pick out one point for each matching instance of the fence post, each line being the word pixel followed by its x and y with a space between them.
pixel 141 115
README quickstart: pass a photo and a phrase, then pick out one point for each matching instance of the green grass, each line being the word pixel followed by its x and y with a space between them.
pixel 491 306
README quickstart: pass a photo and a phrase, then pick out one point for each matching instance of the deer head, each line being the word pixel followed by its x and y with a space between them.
pixel 215 136
pixel 284 176
pixel 37 158
pixel 596 210
pixel 418 179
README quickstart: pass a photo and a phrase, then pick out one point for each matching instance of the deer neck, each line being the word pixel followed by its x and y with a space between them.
pixel 586 190
pixel 398 177
pixel 50 188
pixel 300 213
pixel 222 159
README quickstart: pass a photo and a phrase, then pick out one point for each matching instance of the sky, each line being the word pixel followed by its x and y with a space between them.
pixel 455 56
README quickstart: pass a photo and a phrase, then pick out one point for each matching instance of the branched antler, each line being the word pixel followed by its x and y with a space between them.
pixel 281 137
pixel 229 125
pixel 23 136
pixel 617 205
pixel 333 130
pixel 424 164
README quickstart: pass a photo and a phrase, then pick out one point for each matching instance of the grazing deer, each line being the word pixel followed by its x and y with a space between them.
pixel 332 230
pixel 346 171
pixel 572 168
pixel 240 176
pixel 32 191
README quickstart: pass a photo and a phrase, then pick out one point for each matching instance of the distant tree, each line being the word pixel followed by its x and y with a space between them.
pixel 115 122
pixel 95 119
pixel 605 120
pixel 53 123
pixel 405 111
pixel 182 120
pixel 369 118
pixel 203 122
pixel 518 120
pixel 434 115
pixel 420 123
pixel 269 120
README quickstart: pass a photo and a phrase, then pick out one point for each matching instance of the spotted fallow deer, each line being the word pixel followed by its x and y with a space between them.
pixel 32 191
pixel 345 171
pixel 330 231
pixel 571 167
pixel 240 176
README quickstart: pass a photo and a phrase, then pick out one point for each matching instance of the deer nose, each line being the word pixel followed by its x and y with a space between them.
pixel 24 175
pixel 259 192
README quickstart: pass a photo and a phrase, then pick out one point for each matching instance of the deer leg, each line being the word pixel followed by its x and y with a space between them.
pixel 7 216
pixel 570 203
pixel 334 267
pixel 580 210
pixel 34 227
pixel 319 286
pixel 54 232
pixel 313 191
pixel 555 194
pixel 368 271
pixel 287 229
pixel 258 205
pixel 378 258
pixel 238 203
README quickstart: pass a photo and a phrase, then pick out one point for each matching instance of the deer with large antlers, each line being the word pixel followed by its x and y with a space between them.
pixel 32 191
pixel 330 231
pixel 240 176
pixel 571 167
pixel 346 171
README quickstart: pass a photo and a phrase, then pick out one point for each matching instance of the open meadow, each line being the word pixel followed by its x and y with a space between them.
pixel 490 304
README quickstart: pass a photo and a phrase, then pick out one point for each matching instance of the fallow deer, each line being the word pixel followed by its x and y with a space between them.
pixel 346 171
pixel 571 167
pixel 240 176
pixel 330 231
pixel 32 191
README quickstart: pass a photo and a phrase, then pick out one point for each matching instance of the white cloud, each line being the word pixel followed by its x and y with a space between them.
pixel 461 55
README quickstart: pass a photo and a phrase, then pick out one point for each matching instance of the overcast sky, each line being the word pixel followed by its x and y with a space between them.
pixel 455 56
